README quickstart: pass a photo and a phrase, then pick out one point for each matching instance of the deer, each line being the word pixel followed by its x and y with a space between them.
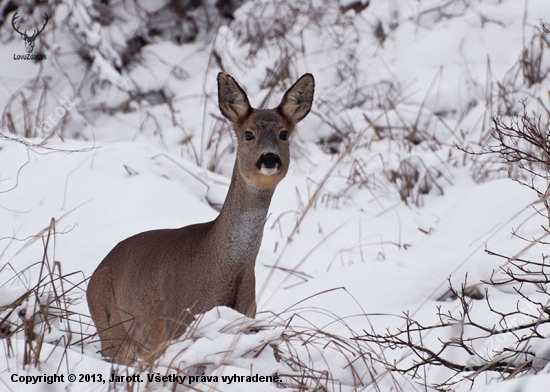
pixel 29 41
pixel 149 287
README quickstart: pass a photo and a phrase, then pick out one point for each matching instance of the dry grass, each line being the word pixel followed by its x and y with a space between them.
pixel 494 342
pixel 516 96
pixel 44 305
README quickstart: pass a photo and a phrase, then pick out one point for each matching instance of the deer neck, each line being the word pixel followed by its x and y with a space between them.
pixel 240 225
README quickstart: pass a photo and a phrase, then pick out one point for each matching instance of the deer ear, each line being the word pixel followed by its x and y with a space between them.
pixel 297 101
pixel 232 99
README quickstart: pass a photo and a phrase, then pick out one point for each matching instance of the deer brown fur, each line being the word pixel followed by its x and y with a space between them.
pixel 148 289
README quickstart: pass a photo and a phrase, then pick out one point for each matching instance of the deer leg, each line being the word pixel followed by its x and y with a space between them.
pixel 113 331
pixel 246 295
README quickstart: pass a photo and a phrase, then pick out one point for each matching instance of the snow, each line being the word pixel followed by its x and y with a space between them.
pixel 345 248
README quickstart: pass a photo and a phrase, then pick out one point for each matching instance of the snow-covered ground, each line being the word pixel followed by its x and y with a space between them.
pixel 379 213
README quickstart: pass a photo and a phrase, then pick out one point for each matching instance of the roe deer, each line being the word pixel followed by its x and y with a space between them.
pixel 148 289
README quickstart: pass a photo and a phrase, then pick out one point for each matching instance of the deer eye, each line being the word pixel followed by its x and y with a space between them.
pixel 283 135
pixel 249 135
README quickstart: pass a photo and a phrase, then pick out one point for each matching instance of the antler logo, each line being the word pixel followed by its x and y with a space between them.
pixel 29 41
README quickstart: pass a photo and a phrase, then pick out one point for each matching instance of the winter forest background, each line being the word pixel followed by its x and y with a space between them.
pixel 405 250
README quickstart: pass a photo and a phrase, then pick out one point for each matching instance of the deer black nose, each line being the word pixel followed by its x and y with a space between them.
pixel 269 161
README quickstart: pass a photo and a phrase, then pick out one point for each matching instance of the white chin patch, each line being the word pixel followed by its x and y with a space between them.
pixel 269 171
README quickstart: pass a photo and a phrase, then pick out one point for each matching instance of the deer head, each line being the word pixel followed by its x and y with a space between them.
pixel 29 41
pixel 262 134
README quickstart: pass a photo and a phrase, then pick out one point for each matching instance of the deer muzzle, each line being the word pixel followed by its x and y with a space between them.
pixel 269 163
